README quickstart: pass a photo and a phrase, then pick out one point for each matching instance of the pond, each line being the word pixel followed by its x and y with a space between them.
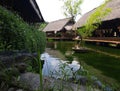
pixel 58 68
pixel 102 62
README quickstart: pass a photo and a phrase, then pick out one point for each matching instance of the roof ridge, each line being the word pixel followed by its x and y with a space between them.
pixel 113 14
pixel 60 20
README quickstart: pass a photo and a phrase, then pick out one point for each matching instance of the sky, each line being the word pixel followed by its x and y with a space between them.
pixel 52 9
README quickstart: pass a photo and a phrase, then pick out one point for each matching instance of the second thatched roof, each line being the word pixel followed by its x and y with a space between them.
pixel 58 25
pixel 114 5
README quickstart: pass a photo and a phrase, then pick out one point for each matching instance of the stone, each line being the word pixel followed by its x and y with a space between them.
pixel 19 90
pixel 82 79
pixel 9 58
pixel 31 81
pixel 21 67
pixel 97 84
pixel 11 89
pixel 107 89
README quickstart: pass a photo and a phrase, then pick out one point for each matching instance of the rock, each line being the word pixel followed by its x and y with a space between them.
pixel 31 81
pixel 7 61
pixel 21 67
pixel 19 90
pixel 97 84
pixel 107 89
pixel 11 89
pixel 82 79
pixel 9 58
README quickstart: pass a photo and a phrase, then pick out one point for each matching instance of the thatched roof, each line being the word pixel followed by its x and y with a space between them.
pixel 57 25
pixel 114 5
pixel 27 9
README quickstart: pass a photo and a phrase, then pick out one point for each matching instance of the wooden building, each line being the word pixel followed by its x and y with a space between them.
pixel 61 29
pixel 109 30
pixel 27 9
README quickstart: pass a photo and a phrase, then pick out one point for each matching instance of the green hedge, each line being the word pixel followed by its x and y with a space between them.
pixel 15 34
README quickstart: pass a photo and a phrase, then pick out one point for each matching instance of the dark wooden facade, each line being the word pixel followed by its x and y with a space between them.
pixel 109 29
pixel 27 9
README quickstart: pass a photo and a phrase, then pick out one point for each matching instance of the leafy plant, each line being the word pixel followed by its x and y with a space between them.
pixel 15 34
pixel 94 20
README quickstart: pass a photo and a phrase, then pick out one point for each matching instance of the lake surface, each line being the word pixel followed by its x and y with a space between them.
pixel 102 62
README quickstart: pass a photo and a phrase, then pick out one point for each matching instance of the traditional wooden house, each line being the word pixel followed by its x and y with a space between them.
pixel 60 29
pixel 110 27
pixel 27 9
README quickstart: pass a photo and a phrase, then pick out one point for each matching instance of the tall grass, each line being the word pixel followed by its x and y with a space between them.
pixel 15 34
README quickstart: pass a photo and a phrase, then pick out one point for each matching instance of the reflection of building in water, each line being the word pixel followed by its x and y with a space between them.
pixel 68 53
pixel 78 37
pixel 77 46
pixel 55 45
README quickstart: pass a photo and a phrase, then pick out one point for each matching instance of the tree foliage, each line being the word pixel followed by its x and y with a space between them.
pixel 72 8
pixel 94 20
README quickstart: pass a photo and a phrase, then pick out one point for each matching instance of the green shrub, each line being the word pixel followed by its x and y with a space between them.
pixel 15 34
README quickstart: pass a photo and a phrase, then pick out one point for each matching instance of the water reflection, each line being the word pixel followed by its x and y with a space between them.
pixel 102 66
pixel 55 67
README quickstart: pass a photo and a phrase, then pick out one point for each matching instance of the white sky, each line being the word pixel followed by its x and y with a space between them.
pixel 52 9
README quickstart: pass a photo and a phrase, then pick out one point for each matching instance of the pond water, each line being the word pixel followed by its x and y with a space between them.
pixel 57 68
pixel 102 62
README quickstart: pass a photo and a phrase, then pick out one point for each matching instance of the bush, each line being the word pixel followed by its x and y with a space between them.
pixel 15 34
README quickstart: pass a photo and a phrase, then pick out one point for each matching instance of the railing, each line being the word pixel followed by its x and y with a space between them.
pixel 105 38
pixel 114 40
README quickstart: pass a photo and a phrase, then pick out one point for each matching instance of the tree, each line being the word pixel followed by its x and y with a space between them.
pixel 72 8
pixel 94 20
